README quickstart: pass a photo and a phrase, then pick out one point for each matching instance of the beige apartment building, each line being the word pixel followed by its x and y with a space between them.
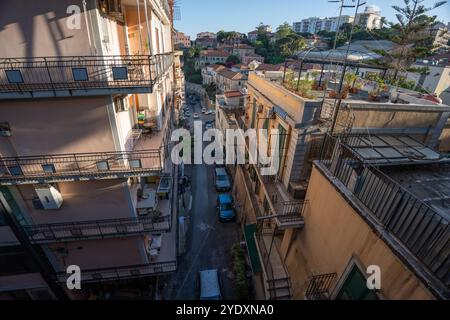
pixel 304 234
pixel 86 112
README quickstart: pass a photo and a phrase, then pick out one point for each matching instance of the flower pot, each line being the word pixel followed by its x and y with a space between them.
pixel 354 90
pixel 344 94
pixel 374 97
pixel 332 94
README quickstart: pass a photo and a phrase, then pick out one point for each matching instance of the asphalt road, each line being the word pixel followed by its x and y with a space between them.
pixel 209 242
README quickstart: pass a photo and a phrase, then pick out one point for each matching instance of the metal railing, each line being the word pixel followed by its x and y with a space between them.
pixel 127 72
pixel 101 165
pixel 98 229
pixel 122 273
pixel 319 286
pixel 273 283
pixel 283 208
pixel 418 226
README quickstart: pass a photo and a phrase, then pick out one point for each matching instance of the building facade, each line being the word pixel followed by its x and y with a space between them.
pixel 182 40
pixel 86 114
pixel 274 209
pixel 211 57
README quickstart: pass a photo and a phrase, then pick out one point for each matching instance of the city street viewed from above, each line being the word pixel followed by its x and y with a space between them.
pixel 248 151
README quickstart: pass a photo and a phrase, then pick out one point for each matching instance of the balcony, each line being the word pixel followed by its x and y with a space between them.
pixel 80 167
pixel 319 287
pixel 276 278
pixel 288 211
pixel 44 77
pixel 102 229
pixel 123 273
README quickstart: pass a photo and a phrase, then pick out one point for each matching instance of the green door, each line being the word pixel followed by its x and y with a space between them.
pixel 355 287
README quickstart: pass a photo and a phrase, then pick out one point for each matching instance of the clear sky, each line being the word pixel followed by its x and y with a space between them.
pixel 245 15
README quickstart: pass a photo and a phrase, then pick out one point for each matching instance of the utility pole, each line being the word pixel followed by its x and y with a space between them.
pixel 38 258
pixel 341 82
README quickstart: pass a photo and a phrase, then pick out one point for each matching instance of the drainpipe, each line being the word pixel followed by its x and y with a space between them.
pixel 138 3
pixel 148 28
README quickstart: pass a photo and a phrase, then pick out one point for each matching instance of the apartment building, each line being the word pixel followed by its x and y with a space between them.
pixel 209 73
pixel 211 57
pixel 440 36
pixel 274 210
pixel 227 80
pixel 315 24
pixel 182 40
pixel 206 40
pixel 86 104
pixel 382 210
pixel 369 19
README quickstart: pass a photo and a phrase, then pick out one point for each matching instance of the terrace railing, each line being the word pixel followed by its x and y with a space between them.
pixel 81 75
pixel 418 226
pixel 122 273
pixel 80 166
pixel 99 229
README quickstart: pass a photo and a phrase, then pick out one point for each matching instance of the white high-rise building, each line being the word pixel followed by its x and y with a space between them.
pixel 369 19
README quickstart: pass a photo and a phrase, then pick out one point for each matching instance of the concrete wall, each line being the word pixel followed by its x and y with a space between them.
pixel 334 234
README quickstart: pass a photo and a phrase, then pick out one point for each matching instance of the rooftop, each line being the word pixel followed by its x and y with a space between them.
pixel 233 94
pixel 214 53
pixel 227 73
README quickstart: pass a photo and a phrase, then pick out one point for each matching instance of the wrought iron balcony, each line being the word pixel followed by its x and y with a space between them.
pixel 101 229
pixel 79 167
pixel 319 286
pixel 43 77
pixel 122 273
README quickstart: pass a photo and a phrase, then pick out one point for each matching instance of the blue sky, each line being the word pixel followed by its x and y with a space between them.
pixel 244 15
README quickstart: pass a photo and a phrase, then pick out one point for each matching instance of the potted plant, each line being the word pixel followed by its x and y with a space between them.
pixel 349 81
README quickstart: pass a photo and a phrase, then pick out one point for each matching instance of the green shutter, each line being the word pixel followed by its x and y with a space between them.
pixel 355 287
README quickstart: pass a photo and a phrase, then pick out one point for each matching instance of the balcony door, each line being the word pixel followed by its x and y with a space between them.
pixel 355 287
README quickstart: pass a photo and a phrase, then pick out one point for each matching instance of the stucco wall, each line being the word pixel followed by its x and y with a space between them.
pixel 333 233
pixel 52 126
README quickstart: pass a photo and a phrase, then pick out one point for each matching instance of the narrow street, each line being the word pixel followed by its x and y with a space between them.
pixel 209 242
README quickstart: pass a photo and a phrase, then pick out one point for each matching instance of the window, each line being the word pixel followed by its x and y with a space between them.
pixel 80 74
pixel 14 76
pixel 120 104
pixel 120 73
pixel 48 168
pixel 135 164
pixel 103 166
pixel 355 287
pixel 15 170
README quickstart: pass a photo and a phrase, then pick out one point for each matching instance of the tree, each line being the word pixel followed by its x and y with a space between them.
pixel 409 34
pixel 211 90
pixel 284 30
pixel 222 36
pixel 232 60
pixel 289 45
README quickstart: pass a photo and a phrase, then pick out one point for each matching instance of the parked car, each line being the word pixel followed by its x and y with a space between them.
pixel 209 285
pixel 222 180
pixel 208 126
pixel 203 110
pixel 208 112
pixel 225 208
pixel 195 115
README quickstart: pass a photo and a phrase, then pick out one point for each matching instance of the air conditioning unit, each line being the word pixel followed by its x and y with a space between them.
pixel 49 196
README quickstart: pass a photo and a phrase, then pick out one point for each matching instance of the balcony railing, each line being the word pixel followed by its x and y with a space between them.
pixel 81 75
pixel 319 286
pixel 122 273
pixel 101 229
pixel 277 284
pixel 81 166
pixel 418 226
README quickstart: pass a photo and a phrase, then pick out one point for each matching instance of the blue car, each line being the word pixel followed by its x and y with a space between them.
pixel 223 183
pixel 225 208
